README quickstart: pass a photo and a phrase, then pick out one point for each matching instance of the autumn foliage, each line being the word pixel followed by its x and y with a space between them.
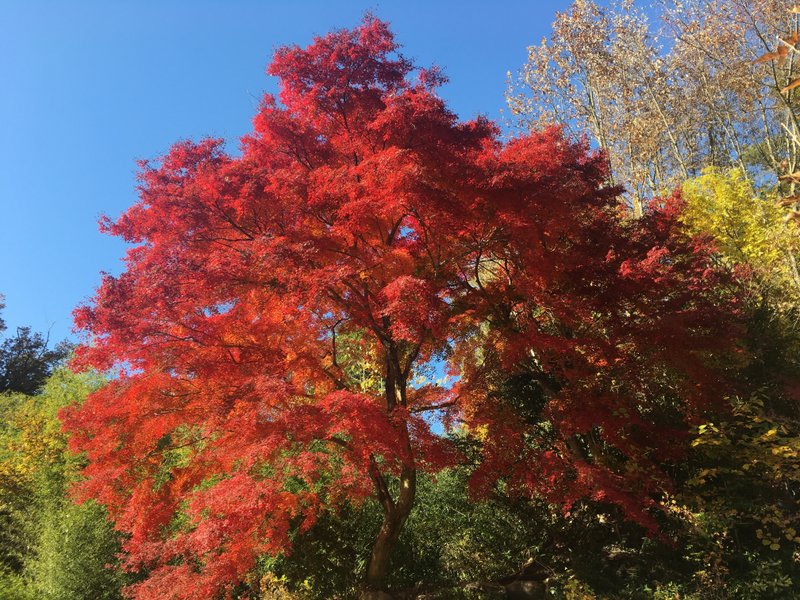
pixel 362 209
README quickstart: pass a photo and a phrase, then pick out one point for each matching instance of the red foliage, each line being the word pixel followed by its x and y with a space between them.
pixel 361 204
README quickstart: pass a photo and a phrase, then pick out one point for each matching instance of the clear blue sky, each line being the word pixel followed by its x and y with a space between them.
pixel 86 88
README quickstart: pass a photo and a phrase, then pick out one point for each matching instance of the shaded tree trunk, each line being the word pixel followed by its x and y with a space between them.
pixel 393 520
pixel 395 511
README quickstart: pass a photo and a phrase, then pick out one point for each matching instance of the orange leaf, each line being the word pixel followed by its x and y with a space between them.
pixel 791 86
pixel 792 39
pixel 779 55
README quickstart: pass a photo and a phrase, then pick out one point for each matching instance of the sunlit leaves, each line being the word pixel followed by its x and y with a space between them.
pixel 749 229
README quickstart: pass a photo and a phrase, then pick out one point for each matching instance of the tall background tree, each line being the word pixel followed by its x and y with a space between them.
pixel 671 90
pixel 27 360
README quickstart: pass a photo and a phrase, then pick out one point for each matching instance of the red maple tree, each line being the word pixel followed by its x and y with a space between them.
pixel 362 209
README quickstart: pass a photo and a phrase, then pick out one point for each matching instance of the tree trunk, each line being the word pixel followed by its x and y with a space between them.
pixel 395 515
pixel 395 511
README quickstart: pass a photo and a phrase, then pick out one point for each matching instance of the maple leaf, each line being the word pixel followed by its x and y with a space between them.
pixel 779 55
pixel 791 86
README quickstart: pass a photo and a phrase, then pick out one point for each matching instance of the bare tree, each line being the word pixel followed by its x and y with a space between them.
pixel 704 83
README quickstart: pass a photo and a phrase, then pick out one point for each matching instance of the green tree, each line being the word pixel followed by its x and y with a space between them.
pixel 26 361
pixel 50 548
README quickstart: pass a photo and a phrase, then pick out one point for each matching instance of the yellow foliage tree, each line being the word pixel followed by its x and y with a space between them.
pixel 749 229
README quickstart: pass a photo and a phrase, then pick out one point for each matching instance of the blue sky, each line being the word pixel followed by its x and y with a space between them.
pixel 87 88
